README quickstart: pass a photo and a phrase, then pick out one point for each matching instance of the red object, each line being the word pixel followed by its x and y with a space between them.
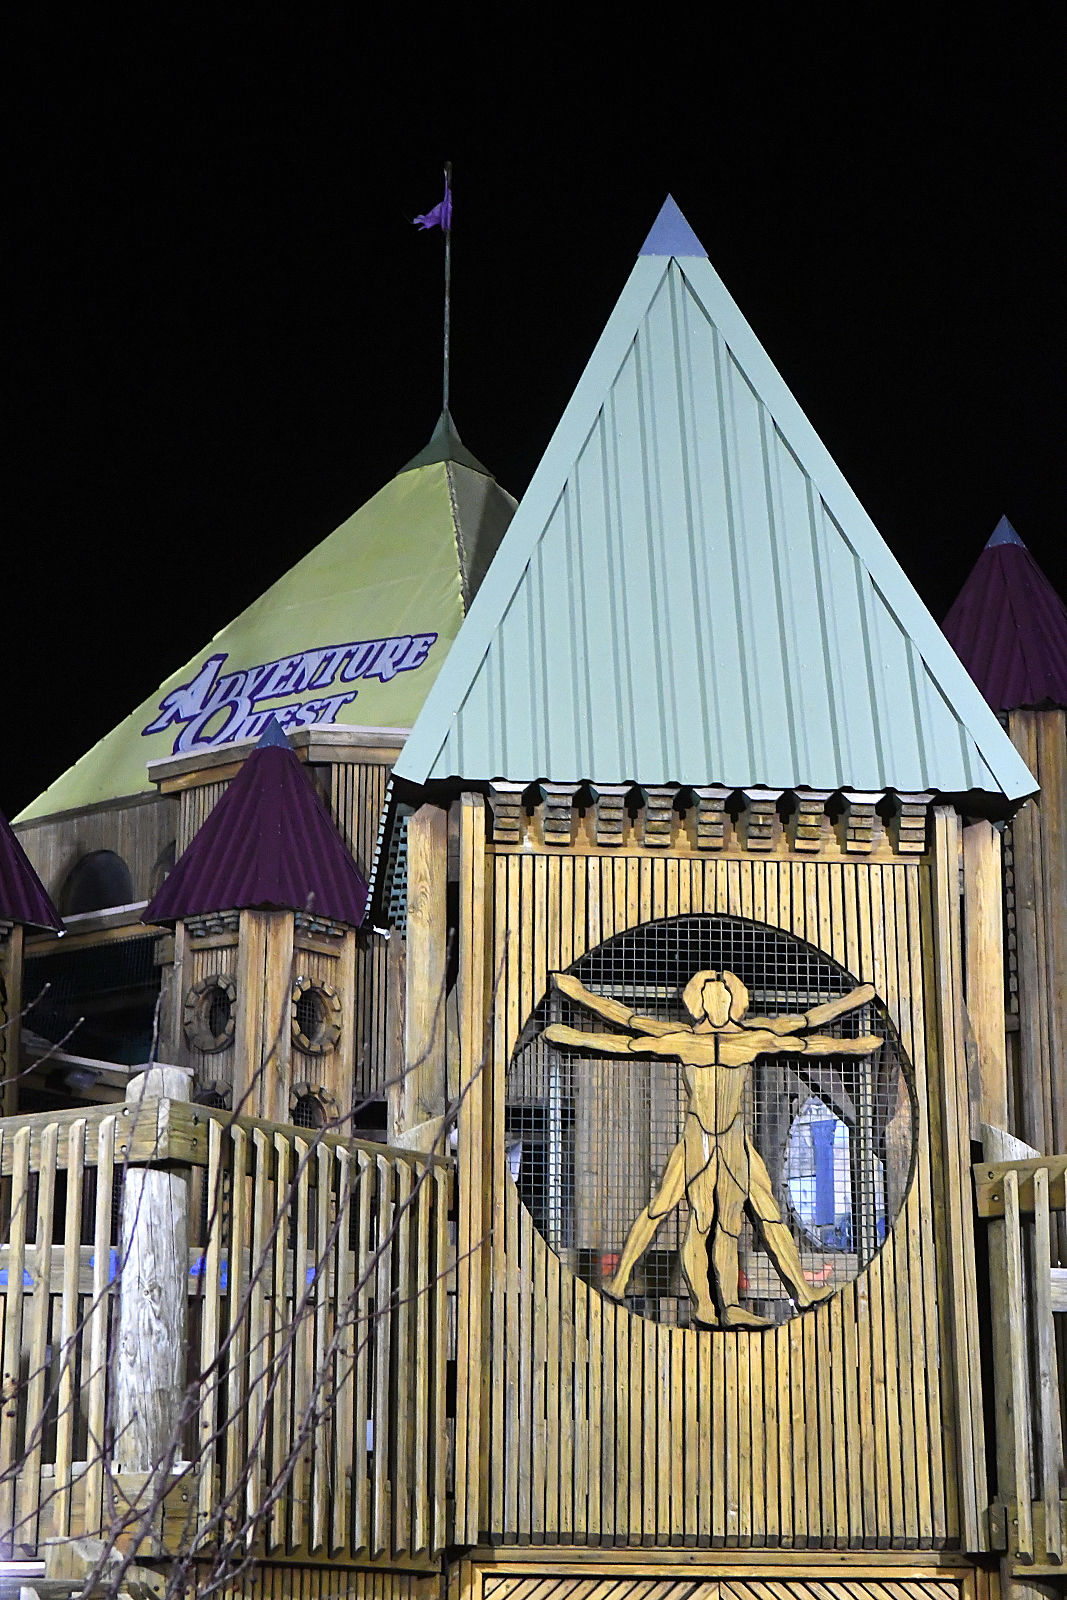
pixel 1009 627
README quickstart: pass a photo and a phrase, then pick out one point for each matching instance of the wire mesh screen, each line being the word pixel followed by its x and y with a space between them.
pixel 816 1146
pixel 98 1002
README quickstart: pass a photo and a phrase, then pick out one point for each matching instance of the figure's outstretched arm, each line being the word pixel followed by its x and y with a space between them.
pixel 617 1044
pixel 817 1015
pixel 824 1044
pixel 611 1010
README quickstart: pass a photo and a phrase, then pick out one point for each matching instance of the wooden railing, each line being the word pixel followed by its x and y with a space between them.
pixel 1028 1296
pixel 316 1338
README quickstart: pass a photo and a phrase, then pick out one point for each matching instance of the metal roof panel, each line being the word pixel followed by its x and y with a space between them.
pixel 691 593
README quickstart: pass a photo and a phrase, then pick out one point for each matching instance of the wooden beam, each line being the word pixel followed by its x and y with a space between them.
pixel 983 926
pixel 990 1178
pixel 422 1090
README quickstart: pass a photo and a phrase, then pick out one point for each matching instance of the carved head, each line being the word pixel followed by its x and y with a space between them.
pixel 718 997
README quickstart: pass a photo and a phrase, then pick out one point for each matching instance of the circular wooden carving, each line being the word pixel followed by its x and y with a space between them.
pixel 316 1009
pixel 210 1012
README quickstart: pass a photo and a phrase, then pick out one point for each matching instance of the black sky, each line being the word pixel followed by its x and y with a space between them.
pixel 224 332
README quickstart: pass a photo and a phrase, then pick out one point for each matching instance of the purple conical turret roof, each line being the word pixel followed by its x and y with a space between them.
pixel 269 845
pixel 23 897
pixel 1009 627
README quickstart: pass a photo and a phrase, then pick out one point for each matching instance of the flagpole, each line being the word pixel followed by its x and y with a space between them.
pixel 448 286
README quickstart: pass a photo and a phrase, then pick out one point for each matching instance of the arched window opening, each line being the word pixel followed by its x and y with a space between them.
pixel 98 881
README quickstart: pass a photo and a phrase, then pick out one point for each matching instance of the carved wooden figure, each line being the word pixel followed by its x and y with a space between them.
pixel 715 1166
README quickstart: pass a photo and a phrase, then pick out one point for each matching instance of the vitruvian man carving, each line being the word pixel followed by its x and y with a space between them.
pixel 715 1166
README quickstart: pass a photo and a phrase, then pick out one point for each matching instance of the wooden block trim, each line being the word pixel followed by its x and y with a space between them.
pixel 609 813
pixel 660 817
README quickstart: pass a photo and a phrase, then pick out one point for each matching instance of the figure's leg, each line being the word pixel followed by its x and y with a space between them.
pixel 779 1242
pixel 670 1192
pixel 694 1253
pixel 730 1209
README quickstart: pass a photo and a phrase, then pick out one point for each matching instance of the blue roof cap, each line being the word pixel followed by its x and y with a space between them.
pixel 1003 533
pixel 671 235
pixel 274 735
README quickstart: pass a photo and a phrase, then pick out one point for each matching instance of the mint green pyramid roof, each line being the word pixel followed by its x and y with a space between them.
pixel 354 633
pixel 691 593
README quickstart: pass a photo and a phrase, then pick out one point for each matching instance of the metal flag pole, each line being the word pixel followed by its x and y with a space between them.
pixel 448 279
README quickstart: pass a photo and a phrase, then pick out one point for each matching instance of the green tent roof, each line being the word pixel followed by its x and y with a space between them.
pixel 691 593
pixel 354 633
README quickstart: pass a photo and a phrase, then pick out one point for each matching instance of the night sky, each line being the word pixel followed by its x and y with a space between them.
pixel 224 332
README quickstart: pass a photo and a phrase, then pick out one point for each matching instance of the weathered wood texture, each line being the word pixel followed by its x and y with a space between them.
pixel 1037 883
pixel 149 1363
pixel 420 1094
pixel 323 1273
pixel 357 794
pixel 580 1423
pixel 543 1574
pixel 141 831
pixel 11 942
pixel 1030 1415
pixel 267 1581
pixel 983 928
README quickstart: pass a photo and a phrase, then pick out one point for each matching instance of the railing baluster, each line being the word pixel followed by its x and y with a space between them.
pixel 10 1399
pixel 95 1385
pixel 1048 1387
pixel 1020 1396
pixel 68 1344
pixel 30 1476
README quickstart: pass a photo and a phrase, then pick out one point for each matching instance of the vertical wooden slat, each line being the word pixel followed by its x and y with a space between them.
pixel 30 1473
pixel 209 1415
pixel 14 1300
pixel 239 1265
pixel 472 1255
pixel 956 1178
pixel 363 1405
pixel 1048 1387
pixel 383 1359
pixel 1018 1378
pixel 95 1386
pixel 345 1446
pixel 68 1339
pixel 260 1316
pixel 442 1207
pixel 404 1421
pixel 423 1357
pixel 302 1335
pixel 281 1316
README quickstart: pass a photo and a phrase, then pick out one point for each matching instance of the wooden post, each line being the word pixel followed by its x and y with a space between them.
pixel 984 964
pixel 421 1098
pixel 261 1070
pixel 153 1291
pixel 10 1017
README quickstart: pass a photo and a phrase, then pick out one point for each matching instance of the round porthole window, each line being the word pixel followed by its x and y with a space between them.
pixel 316 1016
pixel 311 1107
pixel 210 1012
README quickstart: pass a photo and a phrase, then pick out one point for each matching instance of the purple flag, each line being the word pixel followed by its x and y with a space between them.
pixel 440 216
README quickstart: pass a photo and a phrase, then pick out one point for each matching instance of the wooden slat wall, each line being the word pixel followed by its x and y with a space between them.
pixel 839 1428
pixel 265 1581
pixel 357 794
pixel 139 831
pixel 1039 852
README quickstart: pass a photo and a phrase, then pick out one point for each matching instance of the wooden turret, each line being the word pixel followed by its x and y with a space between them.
pixel 265 902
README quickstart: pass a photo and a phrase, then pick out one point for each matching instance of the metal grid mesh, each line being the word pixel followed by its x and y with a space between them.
pixel 590 1135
